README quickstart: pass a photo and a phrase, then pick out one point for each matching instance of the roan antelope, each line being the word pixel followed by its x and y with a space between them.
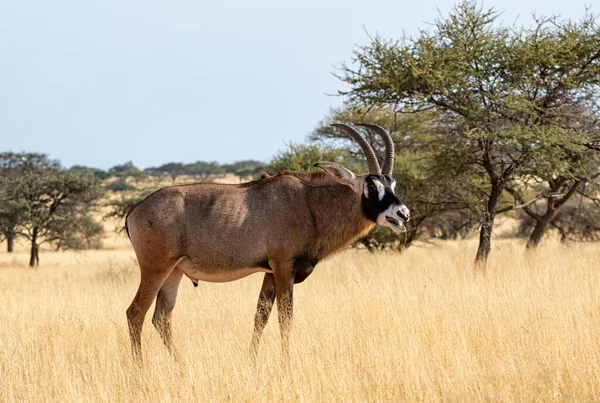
pixel 280 225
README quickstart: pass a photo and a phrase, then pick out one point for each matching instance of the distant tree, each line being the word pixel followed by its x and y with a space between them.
pixel 119 186
pixel 554 195
pixel 10 217
pixel 303 157
pixel 246 169
pixel 204 170
pixel 11 212
pixel 127 170
pixel 118 209
pixel 14 163
pixel 53 205
pixel 381 238
pixel 500 91
pixel 578 220
pixel 98 173
pixel 172 169
pixel 80 234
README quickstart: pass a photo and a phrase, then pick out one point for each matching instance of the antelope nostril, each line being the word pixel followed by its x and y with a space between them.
pixel 403 214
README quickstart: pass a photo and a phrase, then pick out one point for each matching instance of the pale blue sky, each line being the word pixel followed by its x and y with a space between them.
pixel 102 82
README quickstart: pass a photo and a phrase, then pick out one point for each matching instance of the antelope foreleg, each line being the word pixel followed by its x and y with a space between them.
pixel 263 311
pixel 284 289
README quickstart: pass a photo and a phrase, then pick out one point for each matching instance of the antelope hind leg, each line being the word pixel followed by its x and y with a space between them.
pixel 165 302
pixel 149 286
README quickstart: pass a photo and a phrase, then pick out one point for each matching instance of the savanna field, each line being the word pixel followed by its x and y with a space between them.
pixel 421 326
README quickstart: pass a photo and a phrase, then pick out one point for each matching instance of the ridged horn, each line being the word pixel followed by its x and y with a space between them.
pixel 388 163
pixel 374 168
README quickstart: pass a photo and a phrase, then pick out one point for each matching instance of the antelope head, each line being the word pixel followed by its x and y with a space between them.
pixel 377 188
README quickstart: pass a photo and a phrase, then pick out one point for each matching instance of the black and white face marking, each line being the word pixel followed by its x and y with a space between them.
pixel 391 181
pixel 381 205
pixel 379 202
pixel 379 187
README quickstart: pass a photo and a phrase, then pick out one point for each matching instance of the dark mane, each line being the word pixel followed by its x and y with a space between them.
pixel 312 177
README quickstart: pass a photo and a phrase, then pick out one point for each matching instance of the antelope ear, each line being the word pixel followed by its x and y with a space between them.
pixel 340 174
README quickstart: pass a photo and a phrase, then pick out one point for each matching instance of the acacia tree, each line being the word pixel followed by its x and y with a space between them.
pixel 11 211
pixel 578 220
pixel 9 220
pixel 53 205
pixel 555 193
pixel 499 91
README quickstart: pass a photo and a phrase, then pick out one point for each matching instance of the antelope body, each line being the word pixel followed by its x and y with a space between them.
pixel 281 225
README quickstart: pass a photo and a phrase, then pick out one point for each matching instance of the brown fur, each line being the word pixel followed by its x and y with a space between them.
pixel 282 225
pixel 313 177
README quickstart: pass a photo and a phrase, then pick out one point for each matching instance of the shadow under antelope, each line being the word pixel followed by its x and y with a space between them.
pixel 280 225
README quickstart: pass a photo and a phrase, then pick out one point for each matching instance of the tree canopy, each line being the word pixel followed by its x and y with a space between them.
pixel 515 104
pixel 48 204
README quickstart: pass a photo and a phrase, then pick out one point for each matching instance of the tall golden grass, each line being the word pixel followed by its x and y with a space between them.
pixel 421 326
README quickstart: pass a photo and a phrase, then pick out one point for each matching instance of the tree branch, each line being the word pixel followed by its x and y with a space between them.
pixel 524 205
pixel 520 199
pixel 568 195
pixel 519 206
pixel 593 199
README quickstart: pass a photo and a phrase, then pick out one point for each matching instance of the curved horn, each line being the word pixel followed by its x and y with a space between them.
pixel 388 163
pixel 374 168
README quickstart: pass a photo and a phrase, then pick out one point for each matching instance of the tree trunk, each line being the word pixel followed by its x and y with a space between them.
pixel 412 231
pixel 552 209
pixel 487 225
pixel 485 237
pixel 410 238
pixel 538 233
pixel 34 258
pixel 541 225
pixel 10 239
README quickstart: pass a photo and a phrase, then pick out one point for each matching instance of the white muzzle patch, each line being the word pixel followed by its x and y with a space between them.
pixel 394 217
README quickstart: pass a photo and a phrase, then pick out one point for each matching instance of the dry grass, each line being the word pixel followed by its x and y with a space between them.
pixel 423 326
